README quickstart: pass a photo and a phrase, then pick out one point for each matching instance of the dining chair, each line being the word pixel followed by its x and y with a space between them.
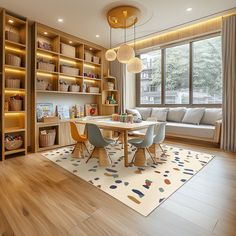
pixel 159 137
pixel 100 143
pixel 142 145
pixel 80 141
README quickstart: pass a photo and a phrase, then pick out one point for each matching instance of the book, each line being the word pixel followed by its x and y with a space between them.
pixel 91 109
pixel 44 110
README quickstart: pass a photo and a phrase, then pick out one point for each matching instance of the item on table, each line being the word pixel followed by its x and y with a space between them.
pixel 122 118
pixel 91 110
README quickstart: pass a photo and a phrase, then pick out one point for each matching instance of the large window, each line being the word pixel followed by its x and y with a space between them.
pixel 207 79
pixel 177 75
pixel 150 85
pixel 202 86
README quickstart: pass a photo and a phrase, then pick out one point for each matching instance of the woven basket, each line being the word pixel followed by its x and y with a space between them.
pixel 46 66
pixel 12 36
pixel 74 88
pixel 13 83
pixel 15 105
pixel 13 145
pixel 41 85
pixel 63 87
pixel 13 60
pixel 69 70
pixel 48 139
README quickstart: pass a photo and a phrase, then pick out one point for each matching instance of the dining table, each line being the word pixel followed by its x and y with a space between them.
pixel 121 127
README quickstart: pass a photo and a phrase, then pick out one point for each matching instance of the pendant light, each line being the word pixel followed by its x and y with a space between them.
pixel 110 54
pixel 125 52
pixel 135 64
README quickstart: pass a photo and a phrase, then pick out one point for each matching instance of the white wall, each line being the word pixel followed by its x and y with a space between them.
pixel 130 90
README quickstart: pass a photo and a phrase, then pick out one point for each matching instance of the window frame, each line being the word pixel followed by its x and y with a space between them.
pixel 163 74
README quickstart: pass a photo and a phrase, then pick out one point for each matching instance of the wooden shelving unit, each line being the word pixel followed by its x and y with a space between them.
pixel 14 36
pixel 109 109
pixel 57 51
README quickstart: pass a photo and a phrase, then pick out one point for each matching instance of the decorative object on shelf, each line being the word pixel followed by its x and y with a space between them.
pixel 63 86
pixel 44 45
pixel 13 142
pixel 12 36
pixel 96 60
pixel 111 99
pixel 88 57
pixel 15 103
pixel 67 50
pixel 110 86
pixel 122 118
pixel 93 89
pixel 47 138
pixel 84 87
pixel 44 110
pixel 12 82
pixel 124 17
pixel 13 60
pixel 91 109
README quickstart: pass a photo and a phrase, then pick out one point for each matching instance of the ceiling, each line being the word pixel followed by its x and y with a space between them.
pixel 87 18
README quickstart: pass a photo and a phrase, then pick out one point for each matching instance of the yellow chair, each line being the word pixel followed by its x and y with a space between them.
pixel 80 141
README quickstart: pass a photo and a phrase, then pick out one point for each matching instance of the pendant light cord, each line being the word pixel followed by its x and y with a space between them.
pixel 134 38
pixel 110 36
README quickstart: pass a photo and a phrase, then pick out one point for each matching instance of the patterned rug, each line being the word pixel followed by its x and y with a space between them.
pixel 141 188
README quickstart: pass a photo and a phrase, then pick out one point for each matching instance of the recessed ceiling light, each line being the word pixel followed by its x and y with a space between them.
pixel 90 49
pixel 70 42
pixel 45 33
pixel 189 9
pixel 60 20
pixel 97 35
pixel 11 21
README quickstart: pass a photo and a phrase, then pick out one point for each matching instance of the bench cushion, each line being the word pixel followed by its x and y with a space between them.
pixel 190 130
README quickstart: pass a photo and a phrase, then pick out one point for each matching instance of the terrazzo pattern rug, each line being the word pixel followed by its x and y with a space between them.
pixel 141 188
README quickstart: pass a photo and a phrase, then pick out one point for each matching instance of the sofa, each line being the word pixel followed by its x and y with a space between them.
pixel 189 123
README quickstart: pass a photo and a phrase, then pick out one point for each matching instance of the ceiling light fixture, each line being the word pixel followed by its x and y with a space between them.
pixel 60 20
pixel 46 33
pixel 70 42
pixel 189 9
pixel 10 21
pixel 97 35
pixel 90 49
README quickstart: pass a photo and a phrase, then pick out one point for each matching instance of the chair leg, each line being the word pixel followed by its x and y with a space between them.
pixel 151 155
pixel 132 162
pixel 162 150
pixel 86 147
pixel 91 155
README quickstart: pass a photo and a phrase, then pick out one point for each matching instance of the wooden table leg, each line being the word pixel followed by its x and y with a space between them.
pixel 126 149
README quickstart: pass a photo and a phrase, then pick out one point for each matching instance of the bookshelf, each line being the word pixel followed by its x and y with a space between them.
pixel 14 41
pixel 59 61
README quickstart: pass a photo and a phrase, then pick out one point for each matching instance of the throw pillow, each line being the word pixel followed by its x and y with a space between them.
pixel 159 113
pixel 176 114
pixel 193 115
pixel 211 115
pixel 144 112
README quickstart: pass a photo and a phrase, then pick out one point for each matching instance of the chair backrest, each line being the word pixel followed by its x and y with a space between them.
pixel 95 136
pixel 160 133
pixel 74 132
pixel 148 139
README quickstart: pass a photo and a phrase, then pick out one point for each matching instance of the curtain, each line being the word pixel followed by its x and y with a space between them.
pixel 118 70
pixel 228 142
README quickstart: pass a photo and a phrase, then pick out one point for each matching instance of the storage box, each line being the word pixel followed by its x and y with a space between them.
pixel 41 85
pixel 96 59
pixel 13 60
pixel 70 70
pixel 93 89
pixel 74 88
pixel 12 83
pixel 88 57
pixel 46 66
pixel 48 138
pixel 68 50
pixel 12 36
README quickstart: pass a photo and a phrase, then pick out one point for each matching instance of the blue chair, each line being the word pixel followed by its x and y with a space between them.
pixel 159 137
pixel 142 145
pixel 100 143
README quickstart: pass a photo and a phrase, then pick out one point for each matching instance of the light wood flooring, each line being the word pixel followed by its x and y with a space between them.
pixel 39 198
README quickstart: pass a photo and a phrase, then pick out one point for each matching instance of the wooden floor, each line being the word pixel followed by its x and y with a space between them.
pixel 39 198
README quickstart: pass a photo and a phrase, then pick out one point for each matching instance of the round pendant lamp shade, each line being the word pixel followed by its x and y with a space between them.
pixel 135 65
pixel 125 53
pixel 110 55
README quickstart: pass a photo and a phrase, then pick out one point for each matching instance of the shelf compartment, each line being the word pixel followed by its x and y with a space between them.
pixel 46 81
pixel 15 44
pixel 13 130
pixel 7 153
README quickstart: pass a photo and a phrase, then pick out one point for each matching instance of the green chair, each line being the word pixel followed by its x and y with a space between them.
pixel 100 143
pixel 142 145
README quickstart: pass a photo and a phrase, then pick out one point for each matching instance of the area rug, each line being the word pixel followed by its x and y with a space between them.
pixel 141 188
